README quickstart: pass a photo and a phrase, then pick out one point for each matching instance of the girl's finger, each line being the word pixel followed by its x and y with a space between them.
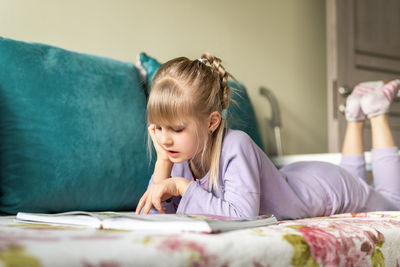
pixel 139 206
pixel 157 205
pixel 148 205
pixel 152 133
pixel 141 202
pixel 151 129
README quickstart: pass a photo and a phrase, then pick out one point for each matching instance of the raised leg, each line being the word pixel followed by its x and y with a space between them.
pixel 385 159
pixel 353 150
pixel 381 134
pixel 385 156
pixel 353 140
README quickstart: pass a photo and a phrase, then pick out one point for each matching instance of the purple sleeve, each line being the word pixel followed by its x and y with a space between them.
pixel 240 196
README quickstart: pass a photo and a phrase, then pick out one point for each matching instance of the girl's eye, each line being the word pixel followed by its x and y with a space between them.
pixel 178 130
pixel 158 127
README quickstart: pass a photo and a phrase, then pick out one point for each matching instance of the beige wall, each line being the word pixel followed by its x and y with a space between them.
pixel 279 44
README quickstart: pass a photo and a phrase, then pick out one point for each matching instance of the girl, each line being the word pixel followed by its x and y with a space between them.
pixel 204 168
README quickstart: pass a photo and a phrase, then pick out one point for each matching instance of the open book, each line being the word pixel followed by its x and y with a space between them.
pixel 167 223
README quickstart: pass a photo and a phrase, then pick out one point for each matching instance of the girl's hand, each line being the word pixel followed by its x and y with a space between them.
pixel 161 191
pixel 161 152
pixel 163 166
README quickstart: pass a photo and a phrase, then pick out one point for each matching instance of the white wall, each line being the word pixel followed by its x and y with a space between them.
pixel 279 44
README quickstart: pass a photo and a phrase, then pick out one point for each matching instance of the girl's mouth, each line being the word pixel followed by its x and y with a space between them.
pixel 172 153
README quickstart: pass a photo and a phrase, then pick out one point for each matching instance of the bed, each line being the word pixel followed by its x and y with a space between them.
pixel 362 239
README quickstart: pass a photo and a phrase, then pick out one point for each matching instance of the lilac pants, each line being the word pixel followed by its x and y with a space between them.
pixel 385 194
pixel 326 189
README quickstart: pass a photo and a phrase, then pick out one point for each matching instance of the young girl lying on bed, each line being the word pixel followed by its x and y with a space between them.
pixel 203 167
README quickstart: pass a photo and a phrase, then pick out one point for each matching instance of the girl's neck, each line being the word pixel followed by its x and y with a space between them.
pixel 199 170
pixel 197 173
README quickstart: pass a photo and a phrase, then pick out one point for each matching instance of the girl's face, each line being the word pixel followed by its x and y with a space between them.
pixel 182 142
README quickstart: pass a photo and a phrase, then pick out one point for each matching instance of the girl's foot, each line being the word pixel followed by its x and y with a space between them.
pixel 378 101
pixel 353 103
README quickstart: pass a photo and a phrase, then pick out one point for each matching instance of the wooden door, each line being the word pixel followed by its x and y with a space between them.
pixel 363 44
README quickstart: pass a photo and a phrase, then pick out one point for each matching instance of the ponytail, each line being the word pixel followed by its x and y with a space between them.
pixel 225 99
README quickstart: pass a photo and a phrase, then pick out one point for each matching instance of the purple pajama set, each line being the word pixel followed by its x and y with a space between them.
pixel 249 184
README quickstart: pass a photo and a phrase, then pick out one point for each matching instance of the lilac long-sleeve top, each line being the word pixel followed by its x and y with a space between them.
pixel 250 185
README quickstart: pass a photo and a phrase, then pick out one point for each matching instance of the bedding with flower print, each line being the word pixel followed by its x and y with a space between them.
pixel 360 239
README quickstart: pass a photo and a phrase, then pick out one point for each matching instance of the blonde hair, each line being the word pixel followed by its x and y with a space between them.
pixel 195 88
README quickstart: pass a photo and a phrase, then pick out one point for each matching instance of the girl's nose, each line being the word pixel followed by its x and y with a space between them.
pixel 165 138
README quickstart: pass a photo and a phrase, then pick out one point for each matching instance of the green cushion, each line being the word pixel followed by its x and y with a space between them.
pixel 240 116
pixel 150 66
pixel 72 131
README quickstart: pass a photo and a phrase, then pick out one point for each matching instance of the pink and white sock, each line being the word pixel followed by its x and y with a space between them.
pixel 353 110
pixel 378 101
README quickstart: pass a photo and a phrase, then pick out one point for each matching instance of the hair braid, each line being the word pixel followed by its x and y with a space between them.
pixel 223 98
pixel 216 65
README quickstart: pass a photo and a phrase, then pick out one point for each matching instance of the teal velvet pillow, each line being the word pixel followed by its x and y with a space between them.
pixel 72 131
pixel 149 66
pixel 241 115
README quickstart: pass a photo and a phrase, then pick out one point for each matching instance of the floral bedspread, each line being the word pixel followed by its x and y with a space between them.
pixel 362 239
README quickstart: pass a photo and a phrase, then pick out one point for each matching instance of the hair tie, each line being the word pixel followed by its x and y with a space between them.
pixel 224 114
pixel 201 60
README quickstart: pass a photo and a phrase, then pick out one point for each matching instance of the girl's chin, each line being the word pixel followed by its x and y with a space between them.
pixel 177 159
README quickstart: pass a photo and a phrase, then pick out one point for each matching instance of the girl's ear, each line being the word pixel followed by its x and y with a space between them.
pixel 214 120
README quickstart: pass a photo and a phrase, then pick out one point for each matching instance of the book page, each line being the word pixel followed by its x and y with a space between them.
pixel 79 218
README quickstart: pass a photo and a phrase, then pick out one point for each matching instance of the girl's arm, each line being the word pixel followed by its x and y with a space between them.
pixel 162 170
pixel 236 202
pixel 239 194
